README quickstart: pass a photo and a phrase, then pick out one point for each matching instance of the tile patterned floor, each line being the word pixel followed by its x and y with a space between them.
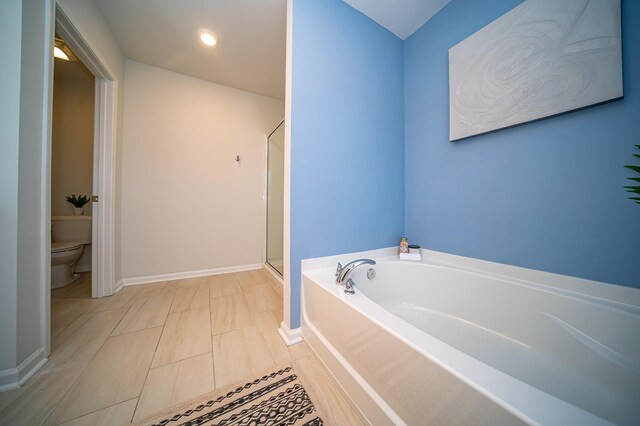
pixel 149 347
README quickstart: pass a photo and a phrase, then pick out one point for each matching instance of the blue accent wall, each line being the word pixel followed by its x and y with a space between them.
pixel 546 195
pixel 347 149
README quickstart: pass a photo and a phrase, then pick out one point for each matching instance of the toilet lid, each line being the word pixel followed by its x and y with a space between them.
pixel 59 247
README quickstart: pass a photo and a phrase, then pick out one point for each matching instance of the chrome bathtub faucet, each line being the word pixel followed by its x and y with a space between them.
pixel 343 272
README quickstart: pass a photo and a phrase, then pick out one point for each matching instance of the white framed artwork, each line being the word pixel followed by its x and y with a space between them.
pixel 543 58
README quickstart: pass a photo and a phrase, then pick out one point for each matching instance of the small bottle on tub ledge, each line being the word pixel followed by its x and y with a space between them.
pixel 413 254
pixel 404 245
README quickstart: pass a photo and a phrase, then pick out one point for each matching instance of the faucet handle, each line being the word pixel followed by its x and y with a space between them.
pixel 338 269
pixel 348 288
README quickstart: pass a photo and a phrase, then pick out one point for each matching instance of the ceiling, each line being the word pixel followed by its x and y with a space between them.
pixel 401 17
pixel 252 35
pixel 164 33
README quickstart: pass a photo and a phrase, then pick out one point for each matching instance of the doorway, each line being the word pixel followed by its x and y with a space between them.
pixel 102 209
pixel 71 158
pixel 275 199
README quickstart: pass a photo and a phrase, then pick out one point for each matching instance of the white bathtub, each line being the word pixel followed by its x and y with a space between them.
pixel 454 341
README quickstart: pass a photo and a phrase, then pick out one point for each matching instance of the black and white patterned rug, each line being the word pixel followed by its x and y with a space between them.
pixel 277 398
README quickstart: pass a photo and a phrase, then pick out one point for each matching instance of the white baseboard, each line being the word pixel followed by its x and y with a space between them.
pixel 290 337
pixel 189 274
pixel 83 268
pixel 13 378
pixel 119 286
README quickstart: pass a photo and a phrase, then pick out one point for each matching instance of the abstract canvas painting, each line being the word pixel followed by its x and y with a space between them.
pixel 543 58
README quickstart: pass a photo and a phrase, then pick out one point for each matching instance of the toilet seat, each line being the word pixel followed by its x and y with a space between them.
pixel 66 246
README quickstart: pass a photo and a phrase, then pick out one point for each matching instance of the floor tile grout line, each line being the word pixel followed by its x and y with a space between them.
pixel 71 385
pixel 95 411
pixel 160 366
pixel 122 319
pixel 161 334
pixel 213 357
pixel 155 351
pixel 74 332
pixel 93 314
pixel 254 283
pixel 244 291
pixel 272 351
pixel 189 288
pixel 91 358
pixel 135 331
pixel 256 324
pixel 253 320
pixel 180 360
pixel 61 331
pixel 146 299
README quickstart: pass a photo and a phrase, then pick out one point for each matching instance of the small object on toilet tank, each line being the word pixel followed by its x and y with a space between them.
pixel 414 248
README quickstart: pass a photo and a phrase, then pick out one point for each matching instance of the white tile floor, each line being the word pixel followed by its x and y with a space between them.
pixel 122 358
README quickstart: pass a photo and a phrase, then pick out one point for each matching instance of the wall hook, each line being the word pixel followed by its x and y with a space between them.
pixel 238 158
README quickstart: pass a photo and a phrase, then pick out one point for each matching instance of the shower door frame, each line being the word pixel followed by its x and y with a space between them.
pixel 266 205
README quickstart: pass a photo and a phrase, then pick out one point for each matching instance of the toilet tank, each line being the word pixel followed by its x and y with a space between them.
pixel 71 228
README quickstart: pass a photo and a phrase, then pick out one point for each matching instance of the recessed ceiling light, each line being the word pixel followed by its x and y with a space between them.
pixel 208 38
pixel 62 51
pixel 58 53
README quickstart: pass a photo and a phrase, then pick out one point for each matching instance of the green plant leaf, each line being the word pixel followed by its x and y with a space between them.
pixel 634 168
pixel 78 201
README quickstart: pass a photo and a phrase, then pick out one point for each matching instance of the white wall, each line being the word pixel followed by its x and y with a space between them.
pixel 10 33
pixel 35 127
pixel 187 205
pixel 88 20
pixel 72 135
pixel 26 83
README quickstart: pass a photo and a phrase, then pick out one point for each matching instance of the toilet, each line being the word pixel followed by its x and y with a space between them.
pixel 69 235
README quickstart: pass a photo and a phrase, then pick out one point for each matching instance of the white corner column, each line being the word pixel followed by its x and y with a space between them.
pixel 289 336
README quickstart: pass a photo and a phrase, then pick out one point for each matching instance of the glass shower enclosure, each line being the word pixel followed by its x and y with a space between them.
pixel 275 198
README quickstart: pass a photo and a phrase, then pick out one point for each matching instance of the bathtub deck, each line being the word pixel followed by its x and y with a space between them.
pixel 119 359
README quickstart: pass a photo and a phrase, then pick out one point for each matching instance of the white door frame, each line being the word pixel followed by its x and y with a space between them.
pixel 103 212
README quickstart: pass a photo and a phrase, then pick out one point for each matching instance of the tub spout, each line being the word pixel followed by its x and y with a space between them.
pixel 343 272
